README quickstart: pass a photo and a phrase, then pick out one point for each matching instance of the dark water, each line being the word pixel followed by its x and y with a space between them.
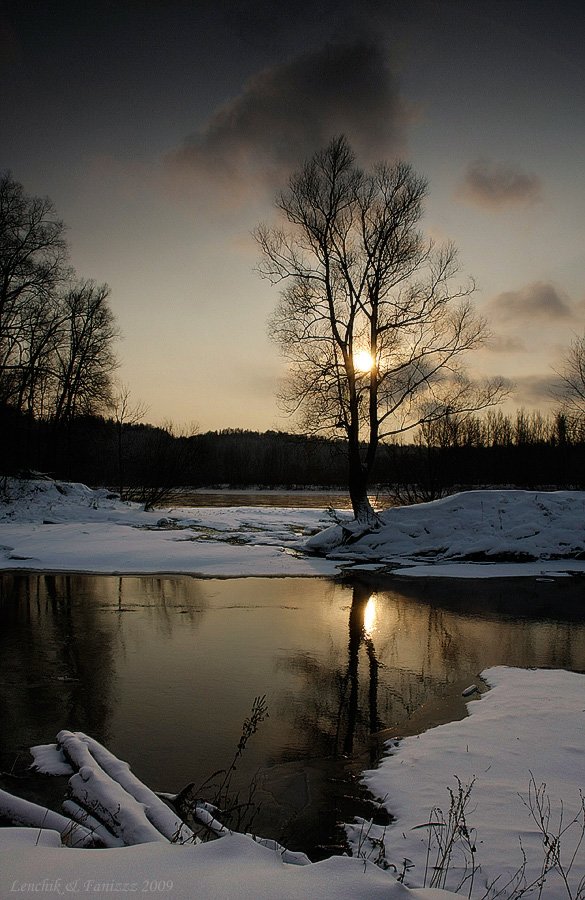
pixel 164 671
pixel 199 497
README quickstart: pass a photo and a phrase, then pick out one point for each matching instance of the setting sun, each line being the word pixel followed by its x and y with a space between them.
pixel 363 361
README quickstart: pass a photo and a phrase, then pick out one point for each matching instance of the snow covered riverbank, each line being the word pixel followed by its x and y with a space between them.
pixel 57 526
pixel 64 527
pixel 521 754
pixel 469 532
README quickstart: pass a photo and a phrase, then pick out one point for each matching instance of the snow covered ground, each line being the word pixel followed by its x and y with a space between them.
pixel 59 526
pixel 529 726
pixel 233 868
pixel 527 731
pixel 56 526
pixel 473 533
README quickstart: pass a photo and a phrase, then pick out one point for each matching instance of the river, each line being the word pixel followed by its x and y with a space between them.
pixel 164 670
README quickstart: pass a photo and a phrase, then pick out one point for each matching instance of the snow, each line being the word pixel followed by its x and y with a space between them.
pixel 58 526
pixel 473 533
pixel 233 868
pixel 530 725
pixel 49 760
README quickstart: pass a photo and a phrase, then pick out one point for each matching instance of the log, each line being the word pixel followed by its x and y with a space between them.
pixel 107 801
pixel 84 751
pixel 81 815
pixel 24 812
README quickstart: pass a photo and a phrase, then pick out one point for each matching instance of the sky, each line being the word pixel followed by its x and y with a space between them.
pixel 162 130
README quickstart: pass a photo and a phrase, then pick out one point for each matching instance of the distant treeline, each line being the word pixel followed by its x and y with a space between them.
pixel 526 450
pixel 141 460
pixel 145 462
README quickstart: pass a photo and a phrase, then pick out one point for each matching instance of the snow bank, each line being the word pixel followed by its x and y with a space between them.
pixel 37 499
pixel 56 526
pixel 470 526
pixel 234 868
pixel 529 726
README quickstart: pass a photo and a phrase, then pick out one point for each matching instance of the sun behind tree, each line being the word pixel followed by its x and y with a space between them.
pixel 363 361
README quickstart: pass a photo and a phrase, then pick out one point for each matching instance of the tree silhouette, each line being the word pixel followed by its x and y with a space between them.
pixel 56 332
pixel 370 317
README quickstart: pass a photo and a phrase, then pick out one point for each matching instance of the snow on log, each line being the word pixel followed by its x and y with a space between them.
pixel 201 812
pixel 115 783
pixel 49 760
pixel 113 806
pixel 81 815
pixel 23 812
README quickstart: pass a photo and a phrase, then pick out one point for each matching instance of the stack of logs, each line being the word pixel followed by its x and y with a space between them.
pixel 108 806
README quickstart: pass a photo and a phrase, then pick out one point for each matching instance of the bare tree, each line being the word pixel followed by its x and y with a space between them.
pixel 56 334
pixel 126 413
pixel 33 268
pixel 368 318
pixel 38 337
pixel 85 361
pixel 572 375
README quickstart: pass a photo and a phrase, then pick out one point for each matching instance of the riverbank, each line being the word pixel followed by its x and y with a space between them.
pixel 61 527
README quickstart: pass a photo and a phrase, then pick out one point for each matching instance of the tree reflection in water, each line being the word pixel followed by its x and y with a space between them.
pixel 413 646
pixel 57 655
pixel 60 638
pixel 361 629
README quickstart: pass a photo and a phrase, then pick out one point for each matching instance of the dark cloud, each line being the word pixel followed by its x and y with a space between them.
pixel 498 343
pixel 495 185
pixel 538 300
pixel 534 390
pixel 288 111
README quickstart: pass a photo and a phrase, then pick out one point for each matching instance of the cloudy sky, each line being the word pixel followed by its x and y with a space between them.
pixel 161 129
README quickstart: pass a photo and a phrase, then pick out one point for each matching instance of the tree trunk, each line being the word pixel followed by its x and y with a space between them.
pixel 358 482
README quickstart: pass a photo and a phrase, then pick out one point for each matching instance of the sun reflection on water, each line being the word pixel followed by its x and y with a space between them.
pixel 370 616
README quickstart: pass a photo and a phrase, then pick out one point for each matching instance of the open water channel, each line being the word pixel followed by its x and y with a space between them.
pixel 164 670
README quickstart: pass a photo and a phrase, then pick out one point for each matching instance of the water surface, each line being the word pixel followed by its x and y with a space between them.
pixel 201 497
pixel 164 670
